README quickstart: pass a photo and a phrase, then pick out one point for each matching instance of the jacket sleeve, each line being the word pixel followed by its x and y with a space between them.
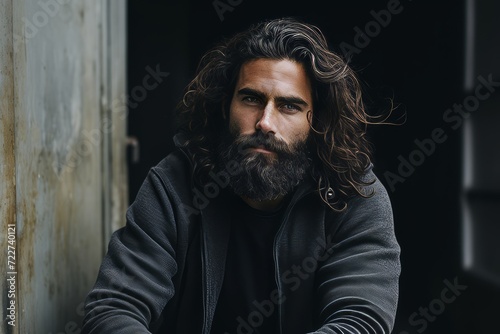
pixel 359 281
pixel 135 278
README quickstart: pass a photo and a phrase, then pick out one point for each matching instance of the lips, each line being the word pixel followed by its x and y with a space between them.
pixel 262 149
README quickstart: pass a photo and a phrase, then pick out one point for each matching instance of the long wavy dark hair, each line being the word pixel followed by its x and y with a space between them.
pixel 341 150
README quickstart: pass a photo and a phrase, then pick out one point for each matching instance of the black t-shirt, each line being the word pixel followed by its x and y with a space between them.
pixel 244 303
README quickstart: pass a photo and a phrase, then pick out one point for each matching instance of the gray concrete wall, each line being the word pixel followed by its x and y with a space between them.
pixel 63 177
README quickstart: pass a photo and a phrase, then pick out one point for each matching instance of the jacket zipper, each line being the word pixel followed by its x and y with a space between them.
pixel 275 256
pixel 204 281
pixel 277 267
pixel 203 255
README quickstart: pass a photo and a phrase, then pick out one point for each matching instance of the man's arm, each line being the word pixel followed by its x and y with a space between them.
pixel 359 282
pixel 135 278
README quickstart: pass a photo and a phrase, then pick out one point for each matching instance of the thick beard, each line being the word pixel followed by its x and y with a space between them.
pixel 263 176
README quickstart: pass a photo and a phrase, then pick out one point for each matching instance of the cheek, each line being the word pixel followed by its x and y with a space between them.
pixel 294 132
pixel 303 127
pixel 241 121
pixel 234 117
pixel 236 123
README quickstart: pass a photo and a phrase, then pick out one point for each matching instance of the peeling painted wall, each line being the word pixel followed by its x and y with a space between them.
pixel 63 142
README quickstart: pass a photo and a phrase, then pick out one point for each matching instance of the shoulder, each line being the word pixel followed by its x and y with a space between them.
pixel 368 212
pixel 174 169
pixel 167 183
pixel 377 199
pixel 175 162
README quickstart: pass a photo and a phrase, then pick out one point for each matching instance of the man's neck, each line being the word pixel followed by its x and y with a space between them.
pixel 268 205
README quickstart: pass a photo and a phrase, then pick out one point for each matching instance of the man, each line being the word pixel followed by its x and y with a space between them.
pixel 267 218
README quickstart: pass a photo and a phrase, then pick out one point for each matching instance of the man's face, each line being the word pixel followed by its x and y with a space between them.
pixel 268 128
pixel 274 97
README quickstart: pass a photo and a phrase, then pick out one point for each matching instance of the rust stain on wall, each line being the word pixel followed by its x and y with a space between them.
pixel 7 140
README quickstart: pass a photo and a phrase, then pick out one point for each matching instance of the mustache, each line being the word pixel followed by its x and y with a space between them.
pixel 259 139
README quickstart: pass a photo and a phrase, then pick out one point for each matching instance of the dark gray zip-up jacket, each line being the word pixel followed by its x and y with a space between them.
pixel 336 273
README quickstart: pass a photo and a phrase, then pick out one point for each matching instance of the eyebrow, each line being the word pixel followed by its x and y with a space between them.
pixel 280 99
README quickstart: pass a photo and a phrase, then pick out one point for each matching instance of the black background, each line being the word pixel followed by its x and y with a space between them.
pixel 418 60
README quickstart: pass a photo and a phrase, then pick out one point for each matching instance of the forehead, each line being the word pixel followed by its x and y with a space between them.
pixel 275 77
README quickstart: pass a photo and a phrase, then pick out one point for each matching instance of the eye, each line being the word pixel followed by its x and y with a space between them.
pixel 251 100
pixel 291 108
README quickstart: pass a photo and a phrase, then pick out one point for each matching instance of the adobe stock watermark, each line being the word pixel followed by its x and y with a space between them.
pixel 31 26
pixel 212 189
pixel 420 320
pixel 454 117
pixel 219 181
pixel 372 29
pixel 223 6
pixel 120 107
pixel 293 278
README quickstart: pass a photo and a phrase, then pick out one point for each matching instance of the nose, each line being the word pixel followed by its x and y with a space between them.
pixel 267 120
